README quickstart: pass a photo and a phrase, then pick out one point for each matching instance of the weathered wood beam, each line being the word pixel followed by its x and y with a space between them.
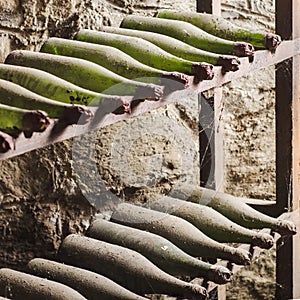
pixel 287 150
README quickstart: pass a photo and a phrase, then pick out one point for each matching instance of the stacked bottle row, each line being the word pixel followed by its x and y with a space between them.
pixel 114 69
pixel 145 249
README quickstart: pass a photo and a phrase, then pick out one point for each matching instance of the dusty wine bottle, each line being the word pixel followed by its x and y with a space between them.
pixel 15 95
pixel 123 64
pixel 179 48
pixel 189 34
pixel 85 74
pixel 158 250
pixel 89 284
pixel 107 57
pixel 223 28
pixel 126 267
pixel 147 53
pixel 21 286
pixel 235 210
pixel 177 230
pixel 210 222
pixel 53 87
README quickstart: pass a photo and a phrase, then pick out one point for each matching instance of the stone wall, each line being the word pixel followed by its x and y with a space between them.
pixel 46 194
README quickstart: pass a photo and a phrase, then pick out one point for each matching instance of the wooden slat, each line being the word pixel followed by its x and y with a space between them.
pixel 287 150
pixel 296 154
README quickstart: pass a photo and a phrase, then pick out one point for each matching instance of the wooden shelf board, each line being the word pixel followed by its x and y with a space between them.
pixel 56 133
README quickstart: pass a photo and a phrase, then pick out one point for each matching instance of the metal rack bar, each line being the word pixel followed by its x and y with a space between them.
pixel 296 154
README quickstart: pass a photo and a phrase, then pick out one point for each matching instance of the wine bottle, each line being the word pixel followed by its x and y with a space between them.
pixel 179 48
pixel 12 94
pixel 119 62
pixel 126 267
pixel 234 209
pixel 147 53
pixel 15 120
pixel 53 87
pixel 189 34
pixel 85 74
pixel 89 284
pixel 21 286
pixel 223 28
pixel 210 222
pixel 158 250
pixel 177 230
